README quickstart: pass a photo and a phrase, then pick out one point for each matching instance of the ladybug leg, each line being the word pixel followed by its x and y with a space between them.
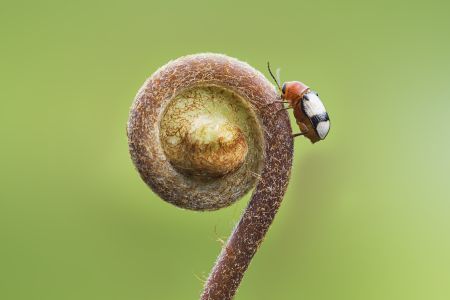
pixel 285 108
pixel 298 134
pixel 303 128
pixel 276 101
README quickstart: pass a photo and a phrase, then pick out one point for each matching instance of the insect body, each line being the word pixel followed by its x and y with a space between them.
pixel 309 112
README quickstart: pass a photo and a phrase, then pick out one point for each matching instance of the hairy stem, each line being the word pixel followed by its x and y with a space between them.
pixel 249 233
pixel 201 134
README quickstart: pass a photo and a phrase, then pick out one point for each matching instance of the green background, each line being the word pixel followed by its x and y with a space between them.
pixel 366 215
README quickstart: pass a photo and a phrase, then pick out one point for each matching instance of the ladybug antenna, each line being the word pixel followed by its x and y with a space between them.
pixel 274 79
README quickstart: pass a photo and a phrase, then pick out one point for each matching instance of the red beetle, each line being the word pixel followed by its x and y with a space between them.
pixel 309 112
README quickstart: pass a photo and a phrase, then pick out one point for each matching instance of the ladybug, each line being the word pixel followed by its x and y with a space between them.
pixel 309 111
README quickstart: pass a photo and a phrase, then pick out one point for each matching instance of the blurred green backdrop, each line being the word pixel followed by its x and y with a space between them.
pixel 366 215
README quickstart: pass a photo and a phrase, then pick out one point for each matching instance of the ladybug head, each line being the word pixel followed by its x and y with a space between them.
pixel 293 90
